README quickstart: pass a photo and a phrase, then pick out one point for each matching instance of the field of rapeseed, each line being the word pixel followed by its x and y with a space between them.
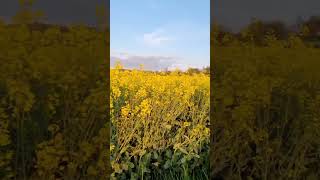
pixel 53 102
pixel 159 125
pixel 265 103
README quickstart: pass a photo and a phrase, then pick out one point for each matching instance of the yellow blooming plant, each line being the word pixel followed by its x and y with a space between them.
pixel 159 121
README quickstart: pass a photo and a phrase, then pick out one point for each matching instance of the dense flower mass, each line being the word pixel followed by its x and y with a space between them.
pixel 265 103
pixel 159 122
pixel 53 108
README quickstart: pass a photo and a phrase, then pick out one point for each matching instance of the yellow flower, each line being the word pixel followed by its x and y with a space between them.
pixel 146 111
pixel 186 124
pixel 112 146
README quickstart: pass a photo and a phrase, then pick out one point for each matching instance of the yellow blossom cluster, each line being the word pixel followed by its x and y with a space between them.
pixel 157 112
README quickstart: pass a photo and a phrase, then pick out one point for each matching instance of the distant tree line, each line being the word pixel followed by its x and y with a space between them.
pixel 257 30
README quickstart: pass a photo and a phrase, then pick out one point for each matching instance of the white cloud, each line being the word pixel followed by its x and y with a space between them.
pixel 156 37
pixel 181 67
pixel 150 62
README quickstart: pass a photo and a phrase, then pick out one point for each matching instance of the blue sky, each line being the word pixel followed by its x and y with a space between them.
pixel 178 30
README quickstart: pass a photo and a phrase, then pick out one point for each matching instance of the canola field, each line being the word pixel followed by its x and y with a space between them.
pixel 160 125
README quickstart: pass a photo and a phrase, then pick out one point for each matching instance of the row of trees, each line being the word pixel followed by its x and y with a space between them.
pixel 190 71
pixel 256 31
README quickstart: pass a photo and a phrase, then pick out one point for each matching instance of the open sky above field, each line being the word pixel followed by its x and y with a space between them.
pixel 161 33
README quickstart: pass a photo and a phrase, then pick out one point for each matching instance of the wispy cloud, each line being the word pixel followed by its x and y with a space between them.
pixel 150 62
pixel 182 67
pixel 156 38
